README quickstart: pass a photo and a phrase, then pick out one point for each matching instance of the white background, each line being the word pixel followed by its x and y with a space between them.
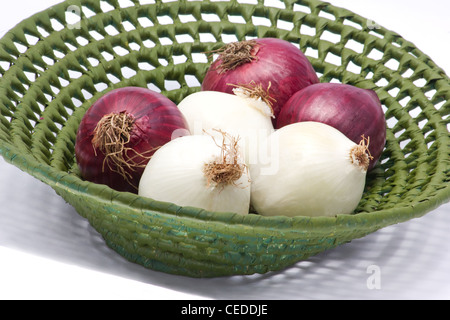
pixel 47 251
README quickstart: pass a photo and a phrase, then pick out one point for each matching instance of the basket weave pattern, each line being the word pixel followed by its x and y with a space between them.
pixel 52 71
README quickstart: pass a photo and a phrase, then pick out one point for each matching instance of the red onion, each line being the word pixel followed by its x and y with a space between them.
pixel 121 131
pixel 351 110
pixel 275 64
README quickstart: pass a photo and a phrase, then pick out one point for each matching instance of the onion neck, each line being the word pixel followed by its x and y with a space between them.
pixel 260 97
pixel 227 168
pixel 360 154
pixel 234 54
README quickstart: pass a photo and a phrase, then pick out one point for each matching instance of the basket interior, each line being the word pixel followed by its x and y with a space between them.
pixel 55 64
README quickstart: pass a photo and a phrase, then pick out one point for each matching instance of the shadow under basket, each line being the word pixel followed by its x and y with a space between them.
pixel 55 64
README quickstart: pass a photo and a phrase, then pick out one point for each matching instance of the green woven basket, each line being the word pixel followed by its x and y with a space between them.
pixel 55 64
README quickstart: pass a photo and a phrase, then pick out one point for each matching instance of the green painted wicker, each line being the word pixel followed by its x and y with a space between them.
pixel 52 71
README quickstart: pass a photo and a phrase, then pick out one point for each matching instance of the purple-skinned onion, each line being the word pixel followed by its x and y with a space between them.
pixel 275 64
pixel 354 111
pixel 121 131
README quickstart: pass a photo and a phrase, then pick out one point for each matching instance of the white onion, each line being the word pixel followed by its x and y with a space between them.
pixel 176 173
pixel 239 116
pixel 312 169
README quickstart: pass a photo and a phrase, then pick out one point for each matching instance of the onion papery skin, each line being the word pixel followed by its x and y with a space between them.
pixel 176 174
pixel 353 111
pixel 157 121
pixel 309 172
pixel 206 112
pixel 279 65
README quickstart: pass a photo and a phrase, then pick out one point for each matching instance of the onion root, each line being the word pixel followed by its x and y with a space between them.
pixel 111 135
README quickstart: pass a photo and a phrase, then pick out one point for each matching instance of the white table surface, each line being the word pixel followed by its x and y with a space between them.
pixel 47 251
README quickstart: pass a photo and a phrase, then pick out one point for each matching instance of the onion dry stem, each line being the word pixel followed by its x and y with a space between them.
pixel 256 91
pixel 226 168
pixel 360 154
pixel 234 54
